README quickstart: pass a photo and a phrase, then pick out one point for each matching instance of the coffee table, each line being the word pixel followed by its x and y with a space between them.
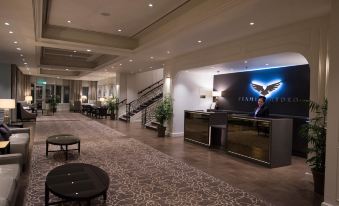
pixel 62 140
pixel 76 182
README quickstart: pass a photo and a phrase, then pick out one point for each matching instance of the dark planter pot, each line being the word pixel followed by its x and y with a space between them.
pixel 161 131
pixel 54 109
pixel 318 179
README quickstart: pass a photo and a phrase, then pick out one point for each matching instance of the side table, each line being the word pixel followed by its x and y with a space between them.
pixel 5 147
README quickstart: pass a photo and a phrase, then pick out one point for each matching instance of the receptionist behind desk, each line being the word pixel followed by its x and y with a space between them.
pixel 262 110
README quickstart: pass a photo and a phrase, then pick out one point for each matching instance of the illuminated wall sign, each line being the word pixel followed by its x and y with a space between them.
pixel 266 89
pixel 286 89
pixel 41 81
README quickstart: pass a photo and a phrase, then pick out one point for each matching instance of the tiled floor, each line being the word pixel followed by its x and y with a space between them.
pixel 290 185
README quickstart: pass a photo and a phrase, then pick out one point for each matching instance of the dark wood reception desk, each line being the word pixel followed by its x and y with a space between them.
pixel 199 126
pixel 264 140
pixel 267 141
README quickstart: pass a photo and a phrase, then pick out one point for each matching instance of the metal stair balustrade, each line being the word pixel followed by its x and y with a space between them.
pixel 149 88
pixel 148 114
pixel 143 102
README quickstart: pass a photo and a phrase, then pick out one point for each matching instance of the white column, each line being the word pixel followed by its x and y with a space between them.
pixel 331 196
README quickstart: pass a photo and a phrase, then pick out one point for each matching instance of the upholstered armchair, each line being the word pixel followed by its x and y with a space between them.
pixel 23 114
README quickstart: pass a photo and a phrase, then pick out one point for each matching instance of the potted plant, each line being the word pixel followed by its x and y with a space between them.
pixel 315 134
pixel 53 102
pixel 112 105
pixel 163 112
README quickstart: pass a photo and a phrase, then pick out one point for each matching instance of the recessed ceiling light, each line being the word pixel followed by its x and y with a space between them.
pixel 7 24
pixel 150 5
pixel 25 63
pixel 199 41
pixel 67 69
pixel 251 23
pixel 267 64
pixel 150 67
pixel 88 50
pixel 21 55
pixel 10 32
pixel 152 57
pixel 119 30
pixel 74 51
pixel 120 64
pixel 69 21
pixel 27 68
pixel 15 42
pixel 130 60
pixel 58 77
pixel 245 61
pixel 168 52
pixel 18 49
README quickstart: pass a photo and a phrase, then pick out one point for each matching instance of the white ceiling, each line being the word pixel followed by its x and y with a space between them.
pixel 164 35
pixel 108 16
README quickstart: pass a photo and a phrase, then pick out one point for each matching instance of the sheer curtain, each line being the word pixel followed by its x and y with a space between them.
pixel 75 90
pixel 92 94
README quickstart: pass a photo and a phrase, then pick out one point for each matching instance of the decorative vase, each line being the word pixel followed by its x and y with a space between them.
pixel 161 131
pixel 318 180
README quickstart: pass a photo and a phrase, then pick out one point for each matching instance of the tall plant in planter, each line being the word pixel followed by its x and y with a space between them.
pixel 112 105
pixel 53 102
pixel 163 112
pixel 315 134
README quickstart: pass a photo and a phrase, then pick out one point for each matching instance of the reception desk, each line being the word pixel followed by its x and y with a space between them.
pixel 200 126
pixel 267 141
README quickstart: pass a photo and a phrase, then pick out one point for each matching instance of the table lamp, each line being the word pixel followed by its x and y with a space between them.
pixel 83 98
pixel 28 99
pixel 7 104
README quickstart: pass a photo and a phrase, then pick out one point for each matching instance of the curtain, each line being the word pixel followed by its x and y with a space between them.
pixel 75 90
pixel 92 94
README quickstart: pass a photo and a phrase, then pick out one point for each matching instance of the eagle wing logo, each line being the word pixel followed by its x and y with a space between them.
pixel 265 90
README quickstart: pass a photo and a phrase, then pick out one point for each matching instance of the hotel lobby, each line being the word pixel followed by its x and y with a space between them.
pixel 155 102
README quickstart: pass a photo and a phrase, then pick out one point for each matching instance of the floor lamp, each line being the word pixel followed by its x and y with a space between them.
pixel 7 104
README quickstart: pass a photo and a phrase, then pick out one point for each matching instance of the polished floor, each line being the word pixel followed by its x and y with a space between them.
pixel 290 185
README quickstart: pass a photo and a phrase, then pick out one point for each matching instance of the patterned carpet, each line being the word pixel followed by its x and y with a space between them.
pixel 139 174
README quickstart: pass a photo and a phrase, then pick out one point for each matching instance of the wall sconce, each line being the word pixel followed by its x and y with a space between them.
pixel 28 99
pixel 215 95
pixel 7 104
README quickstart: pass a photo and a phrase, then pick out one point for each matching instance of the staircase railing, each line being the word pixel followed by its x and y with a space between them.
pixel 151 86
pixel 139 104
pixel 148 114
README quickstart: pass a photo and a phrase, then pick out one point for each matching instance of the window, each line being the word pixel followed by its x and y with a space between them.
pixel 85 93
pixel 58 92
pixel 66 94
pixel 49 92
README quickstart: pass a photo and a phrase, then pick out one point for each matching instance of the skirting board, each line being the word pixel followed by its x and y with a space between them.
pixel 178 134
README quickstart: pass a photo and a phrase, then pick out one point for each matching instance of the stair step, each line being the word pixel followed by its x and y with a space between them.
pixel 155 123
pixel 152 127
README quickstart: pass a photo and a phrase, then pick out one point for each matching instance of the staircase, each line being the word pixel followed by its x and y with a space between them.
pixel 148 116
pixel 151 95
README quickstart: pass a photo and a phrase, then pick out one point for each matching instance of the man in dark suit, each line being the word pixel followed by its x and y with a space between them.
pixel 262 109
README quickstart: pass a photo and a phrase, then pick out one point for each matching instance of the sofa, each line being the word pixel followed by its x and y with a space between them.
pixel 12 164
